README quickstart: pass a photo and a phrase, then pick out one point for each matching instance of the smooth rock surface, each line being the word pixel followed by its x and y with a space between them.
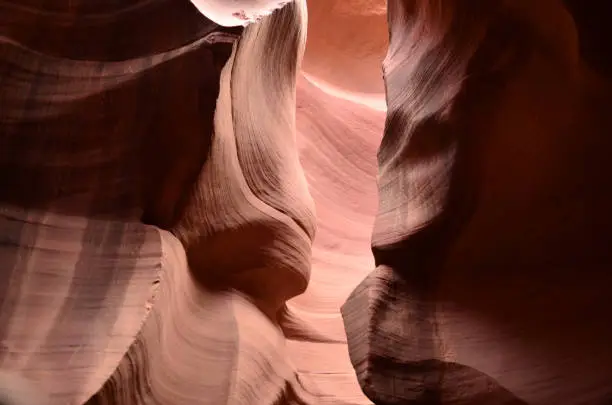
pixel 491 238
pixel 192 191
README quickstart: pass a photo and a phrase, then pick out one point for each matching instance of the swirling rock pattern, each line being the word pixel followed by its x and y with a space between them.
pixel 183 210
pixel 490 239
pixel 88 150
pixel 240 190
pixel 210 338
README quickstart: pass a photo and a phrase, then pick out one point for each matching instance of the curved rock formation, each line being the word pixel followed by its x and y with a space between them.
pixel 491 245
pixel 88 149
pixel 185 206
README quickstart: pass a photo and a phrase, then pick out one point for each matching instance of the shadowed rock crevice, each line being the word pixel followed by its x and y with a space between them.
pixel 185 206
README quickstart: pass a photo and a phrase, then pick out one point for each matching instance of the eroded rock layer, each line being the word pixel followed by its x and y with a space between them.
pixel 490 243
pixel 91 131
pixel 158 190
pixel 247 229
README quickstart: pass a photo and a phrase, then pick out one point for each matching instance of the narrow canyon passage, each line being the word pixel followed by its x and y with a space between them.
pixel 335 202
pixel 337 140
pixel 340 117
pixel 488 329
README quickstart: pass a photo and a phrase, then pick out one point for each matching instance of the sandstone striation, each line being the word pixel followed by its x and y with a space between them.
pixel 490 240
pixel 267 202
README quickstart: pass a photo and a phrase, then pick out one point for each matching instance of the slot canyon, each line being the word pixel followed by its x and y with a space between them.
pixel 305 202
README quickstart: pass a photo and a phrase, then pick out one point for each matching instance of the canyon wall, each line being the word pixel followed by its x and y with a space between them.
pixel 490 242
pixel 209 203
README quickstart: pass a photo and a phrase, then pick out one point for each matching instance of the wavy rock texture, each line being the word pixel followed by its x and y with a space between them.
pixel 490 240
pixel 247 233
pixel 88 149
pixel 184 210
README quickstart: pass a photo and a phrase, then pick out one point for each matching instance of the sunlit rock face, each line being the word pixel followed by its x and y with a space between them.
pixel 249 202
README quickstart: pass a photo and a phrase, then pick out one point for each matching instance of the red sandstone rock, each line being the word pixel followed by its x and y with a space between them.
pixel 185 207
pixel 491 238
